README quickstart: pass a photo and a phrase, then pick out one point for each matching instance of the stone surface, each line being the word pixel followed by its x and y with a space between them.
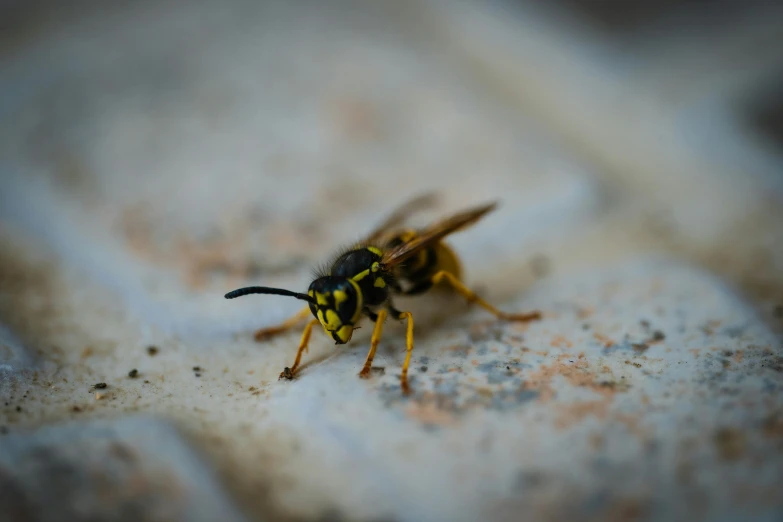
pixel 131 469
pixel 150 168
pixel 648 389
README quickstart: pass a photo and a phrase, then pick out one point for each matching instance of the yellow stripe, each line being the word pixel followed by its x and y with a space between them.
pixel 361 275
pixel 339 297
pixel 332 320
pixel 359 302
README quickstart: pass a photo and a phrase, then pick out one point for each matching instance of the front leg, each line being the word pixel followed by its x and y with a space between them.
pixel 288 373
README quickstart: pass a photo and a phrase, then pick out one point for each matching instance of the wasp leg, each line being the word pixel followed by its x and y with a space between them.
pixel 376 338
pixel 408 346
pixel 288 373
pixel 271 331
pixel 408 342
pixel 471 297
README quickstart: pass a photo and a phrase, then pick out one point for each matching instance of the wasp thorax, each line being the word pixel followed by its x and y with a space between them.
pixel 338 305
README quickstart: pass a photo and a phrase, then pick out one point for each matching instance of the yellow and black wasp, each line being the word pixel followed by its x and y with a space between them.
pixel 362 280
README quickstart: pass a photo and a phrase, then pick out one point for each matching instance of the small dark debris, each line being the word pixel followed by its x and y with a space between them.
pixel 152 350
pixel 727 353
pixel 773 424
pixel 730 443
pixel 198 375
pixel 608 384
pixel 380 370
pixel 585 326
pixel 658 335
pixel 18 408
pixel 122 452
pixel 197 368
pixel 6 404
pixel 645 324
pixel 423 369
pixel 77 409
pixel 640 347
pixel 146 381
pixel 775 364
pixel 633 364
pixel 101 386
pixel 530 479
pixel 508 367
pixel 133 373
pixel 725 363
pixel 540 265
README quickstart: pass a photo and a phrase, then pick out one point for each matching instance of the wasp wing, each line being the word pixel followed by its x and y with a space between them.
pixel 435 233
pixel 397 217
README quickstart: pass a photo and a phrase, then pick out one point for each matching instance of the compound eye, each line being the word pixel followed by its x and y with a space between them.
pixel 345 303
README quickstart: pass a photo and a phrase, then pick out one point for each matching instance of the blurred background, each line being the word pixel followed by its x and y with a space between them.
pixel 154 155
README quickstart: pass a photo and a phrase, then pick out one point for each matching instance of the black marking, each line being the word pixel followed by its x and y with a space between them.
pixel 417 271
pixel 394 312
pixel 327 286
pixel 427 269
pixel 369 313
pixel 347 309
pixel 354 262
pixel 326 268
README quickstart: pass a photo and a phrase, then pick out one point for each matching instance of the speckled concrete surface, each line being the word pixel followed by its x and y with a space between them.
pixel 146 171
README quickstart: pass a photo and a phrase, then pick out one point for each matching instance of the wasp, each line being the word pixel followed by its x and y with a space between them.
pixel 363 279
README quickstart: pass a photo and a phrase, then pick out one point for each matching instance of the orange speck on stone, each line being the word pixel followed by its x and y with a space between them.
pixel 575 370
pixel 570 414
pixel 559 341
pixel 585 312
pixel 607 342
pixel 428 413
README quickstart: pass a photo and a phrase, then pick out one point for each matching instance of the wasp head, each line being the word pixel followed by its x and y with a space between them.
pixel 337 304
